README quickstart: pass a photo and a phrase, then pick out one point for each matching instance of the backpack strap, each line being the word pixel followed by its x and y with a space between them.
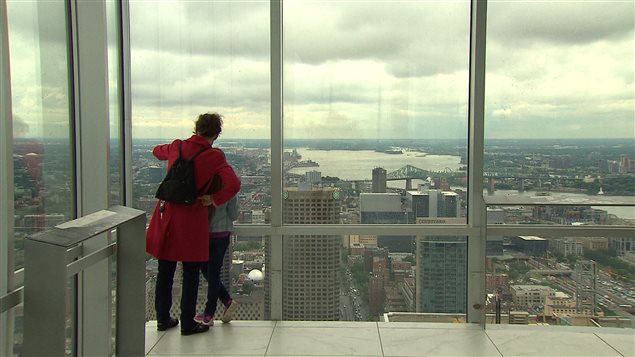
pixel 208 184
pixel 198 153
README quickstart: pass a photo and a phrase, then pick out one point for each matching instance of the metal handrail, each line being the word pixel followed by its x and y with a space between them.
pixel 52 256
pixel 11 300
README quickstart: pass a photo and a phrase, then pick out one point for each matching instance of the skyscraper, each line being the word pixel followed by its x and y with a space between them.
pixel 386 208
pixel 311 263
pixel 313 177
pixel 379 180
pixel 441 274
pixel 441 260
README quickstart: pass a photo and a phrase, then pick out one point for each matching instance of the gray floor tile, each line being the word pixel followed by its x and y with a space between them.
pixel 548 342
pixel 436 342
pixel 429 325
pixel 623 340
pixel 325 341
pixel 152 335
pixel 221 340
pixel 327 324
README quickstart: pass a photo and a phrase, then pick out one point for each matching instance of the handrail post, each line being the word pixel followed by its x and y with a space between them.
pixel 130 276
pixel 55 255
pixel 45 298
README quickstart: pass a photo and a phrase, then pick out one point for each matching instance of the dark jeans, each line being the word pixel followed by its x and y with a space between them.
pixel 211 270
pixel 163 292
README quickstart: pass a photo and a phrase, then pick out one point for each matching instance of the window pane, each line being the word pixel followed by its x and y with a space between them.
pixel 204 56
pixel 571 281
pixel 41 118
pixel 376 109
pixel 375 132
pixel 115 104
pixel 559 98
pixel 414 278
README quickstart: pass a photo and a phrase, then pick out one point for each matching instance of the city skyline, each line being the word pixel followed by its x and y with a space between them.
pixel 553 69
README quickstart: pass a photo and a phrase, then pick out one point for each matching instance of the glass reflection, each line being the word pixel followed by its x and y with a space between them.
pixel 570 281
pixel 115 110
pixel 41 118
pixel 388 118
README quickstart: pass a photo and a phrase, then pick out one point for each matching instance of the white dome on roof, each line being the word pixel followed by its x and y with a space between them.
pixel 256 275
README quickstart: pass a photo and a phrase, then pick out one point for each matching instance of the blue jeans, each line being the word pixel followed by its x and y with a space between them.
pixel 163 292
pixel 211 270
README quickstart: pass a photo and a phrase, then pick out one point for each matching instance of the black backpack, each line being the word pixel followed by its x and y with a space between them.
pixel 179 185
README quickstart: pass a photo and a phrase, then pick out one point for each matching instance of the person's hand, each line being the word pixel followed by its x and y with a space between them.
pixel 206 200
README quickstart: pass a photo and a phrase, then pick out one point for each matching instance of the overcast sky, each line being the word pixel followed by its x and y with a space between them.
pixel 378 69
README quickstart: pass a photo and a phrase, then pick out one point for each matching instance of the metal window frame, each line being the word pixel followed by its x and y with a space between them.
pixel 476 209
pixel 89 45
pixel 7 277
pixel 476 227
pixel 277 113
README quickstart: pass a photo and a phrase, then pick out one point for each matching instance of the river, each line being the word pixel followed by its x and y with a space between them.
pixel 358 165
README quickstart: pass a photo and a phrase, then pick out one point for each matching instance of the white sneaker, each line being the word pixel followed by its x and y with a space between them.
pixel 228 315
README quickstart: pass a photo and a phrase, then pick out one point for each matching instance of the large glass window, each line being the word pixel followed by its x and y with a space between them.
pixel 203 56
pixel 375 132
pixel 562 280
pixel 41 118
pixel 115 107
pixel 375 98
pixel 559 98
pixel 560 150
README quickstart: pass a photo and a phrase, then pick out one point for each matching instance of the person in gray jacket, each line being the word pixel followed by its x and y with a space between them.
pixel 221 225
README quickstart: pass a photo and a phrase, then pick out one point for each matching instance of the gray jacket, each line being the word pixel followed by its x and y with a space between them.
pixel 221 218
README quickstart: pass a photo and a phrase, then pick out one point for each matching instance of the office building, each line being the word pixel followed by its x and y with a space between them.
pixel 311 263
pixel 530 245
pixel 432 203
pixel 379 180
pixel 441 274
pixel 494 245
pixel 568 247
pixel 313 177
pixel 386 208
pixel 527 296
pixel 441 261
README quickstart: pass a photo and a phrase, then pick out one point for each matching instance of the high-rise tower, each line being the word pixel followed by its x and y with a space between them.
pixel 441 260
pixel 311 263
pixel 386 208
pixel 379 180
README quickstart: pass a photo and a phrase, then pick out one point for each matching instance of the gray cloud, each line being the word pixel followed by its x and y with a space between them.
pixel 372 69
pixel 560 22
pixel 20 127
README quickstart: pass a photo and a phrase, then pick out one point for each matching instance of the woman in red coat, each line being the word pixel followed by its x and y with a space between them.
pixel 179 232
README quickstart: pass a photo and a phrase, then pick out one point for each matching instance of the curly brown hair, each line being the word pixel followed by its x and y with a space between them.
pixel 209 125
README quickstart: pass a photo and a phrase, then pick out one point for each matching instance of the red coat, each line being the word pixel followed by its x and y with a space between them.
pixel 180 232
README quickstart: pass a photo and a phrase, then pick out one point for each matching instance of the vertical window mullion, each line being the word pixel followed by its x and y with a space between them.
pixel 6 185
pixel 476 212
pixel 277 109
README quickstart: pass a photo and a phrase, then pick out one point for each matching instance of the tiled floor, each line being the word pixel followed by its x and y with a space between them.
pixel 399 339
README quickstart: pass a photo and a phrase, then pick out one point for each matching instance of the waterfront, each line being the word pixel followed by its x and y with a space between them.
pixel 358 164
pixel 608 202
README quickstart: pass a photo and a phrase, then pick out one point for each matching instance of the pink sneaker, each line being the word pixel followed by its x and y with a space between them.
pixel 228 315
pixel 206 319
